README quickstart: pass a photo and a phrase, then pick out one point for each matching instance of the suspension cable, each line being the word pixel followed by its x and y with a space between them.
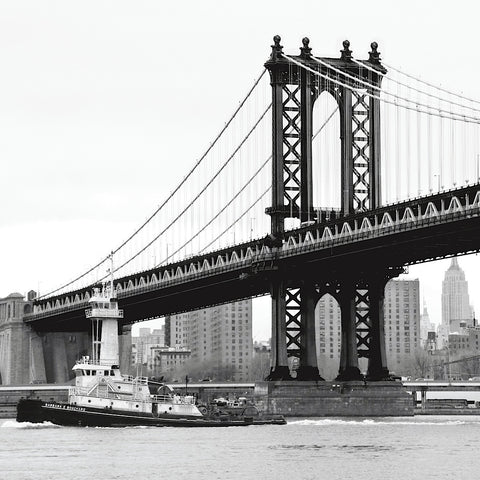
pixel 432 85
pixel 218 213
pixel 464 118
pixel 237 220
pixel 126 262
pixel 237 195
pixel 410 87
pixel 182 182
pixel 386 92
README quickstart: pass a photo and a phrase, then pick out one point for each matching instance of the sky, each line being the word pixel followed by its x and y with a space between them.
pixel 105 105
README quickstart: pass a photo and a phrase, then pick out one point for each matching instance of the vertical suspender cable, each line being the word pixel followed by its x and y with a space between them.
pixel 387 174
pixel 429 155
pixel 452 158
pixel 419 156
pixel 441 152
pixel 476 155
pixel 408 138
pixel 398 172
pixel 464 152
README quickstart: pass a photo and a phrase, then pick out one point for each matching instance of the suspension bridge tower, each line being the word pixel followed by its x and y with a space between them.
pixel 297 82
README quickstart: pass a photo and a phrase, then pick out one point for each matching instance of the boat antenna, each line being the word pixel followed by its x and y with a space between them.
pixel 111 275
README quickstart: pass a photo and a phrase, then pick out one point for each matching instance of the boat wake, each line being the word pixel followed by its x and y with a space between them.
pixel 27 425
pixel 371 422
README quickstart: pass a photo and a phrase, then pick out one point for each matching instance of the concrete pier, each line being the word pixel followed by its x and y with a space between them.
pixel 334 399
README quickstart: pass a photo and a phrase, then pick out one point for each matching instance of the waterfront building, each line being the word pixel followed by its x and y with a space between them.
pixel 143 343
pixel 260 366
pixel 462 354
pixel 401 321
pixel 455 299
pixel 219 338
pixel 165 361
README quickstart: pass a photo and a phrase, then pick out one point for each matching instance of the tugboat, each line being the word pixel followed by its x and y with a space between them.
pixel 103 397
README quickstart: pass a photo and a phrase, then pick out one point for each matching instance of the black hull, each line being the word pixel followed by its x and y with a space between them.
pixel 37 411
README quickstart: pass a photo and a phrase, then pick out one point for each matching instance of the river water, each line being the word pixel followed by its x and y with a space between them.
pixel 388 449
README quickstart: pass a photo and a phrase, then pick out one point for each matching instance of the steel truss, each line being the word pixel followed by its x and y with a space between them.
pixel 294 91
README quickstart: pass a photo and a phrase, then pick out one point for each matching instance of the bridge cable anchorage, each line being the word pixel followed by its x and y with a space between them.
pixel 196 198
pixel 455 117
pixel 431 84
pixel 183 181
pixel 410 87
pixel 382 90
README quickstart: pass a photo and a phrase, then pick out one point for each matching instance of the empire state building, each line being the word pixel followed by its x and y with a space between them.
pixel 455 300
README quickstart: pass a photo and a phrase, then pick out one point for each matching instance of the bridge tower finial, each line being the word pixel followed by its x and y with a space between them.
pixel 346 52
pixel 374 55
pixel 277 49
pixel 306 51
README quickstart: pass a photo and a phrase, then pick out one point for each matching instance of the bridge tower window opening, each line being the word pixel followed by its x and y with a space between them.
pixel 326 159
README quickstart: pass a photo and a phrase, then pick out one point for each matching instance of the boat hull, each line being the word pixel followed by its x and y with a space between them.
pixel 38 411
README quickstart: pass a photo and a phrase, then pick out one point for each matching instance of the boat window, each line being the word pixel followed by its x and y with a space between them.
pixel 112 373
pixel 105 373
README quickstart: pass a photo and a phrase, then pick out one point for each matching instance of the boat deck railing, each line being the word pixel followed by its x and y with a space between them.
pixel 137 380
pixel 178 399
pixel 106 393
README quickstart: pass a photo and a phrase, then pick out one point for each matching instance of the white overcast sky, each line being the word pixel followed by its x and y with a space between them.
pixel 104 105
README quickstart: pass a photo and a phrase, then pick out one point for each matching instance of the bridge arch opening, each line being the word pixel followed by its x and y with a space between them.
pixel 328 336
pixel 326 153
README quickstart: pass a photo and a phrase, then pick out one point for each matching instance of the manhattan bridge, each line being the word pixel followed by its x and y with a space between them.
pixel 330 177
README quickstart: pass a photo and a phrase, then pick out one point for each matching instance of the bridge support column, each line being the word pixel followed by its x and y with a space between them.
pixel 308 369
pixel 348 353
pixel 37 359
pixel 377 361
pixel 279 368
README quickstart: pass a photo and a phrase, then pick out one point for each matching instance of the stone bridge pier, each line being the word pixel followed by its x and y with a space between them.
pixel 29 357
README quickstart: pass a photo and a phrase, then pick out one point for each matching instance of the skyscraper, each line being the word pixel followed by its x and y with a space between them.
pixel 455 299
pixel 328 336
pixel 219 336
pixel 401 321
pixel 426 325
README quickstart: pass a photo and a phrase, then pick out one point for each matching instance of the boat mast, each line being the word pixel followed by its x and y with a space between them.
pixel 111 275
